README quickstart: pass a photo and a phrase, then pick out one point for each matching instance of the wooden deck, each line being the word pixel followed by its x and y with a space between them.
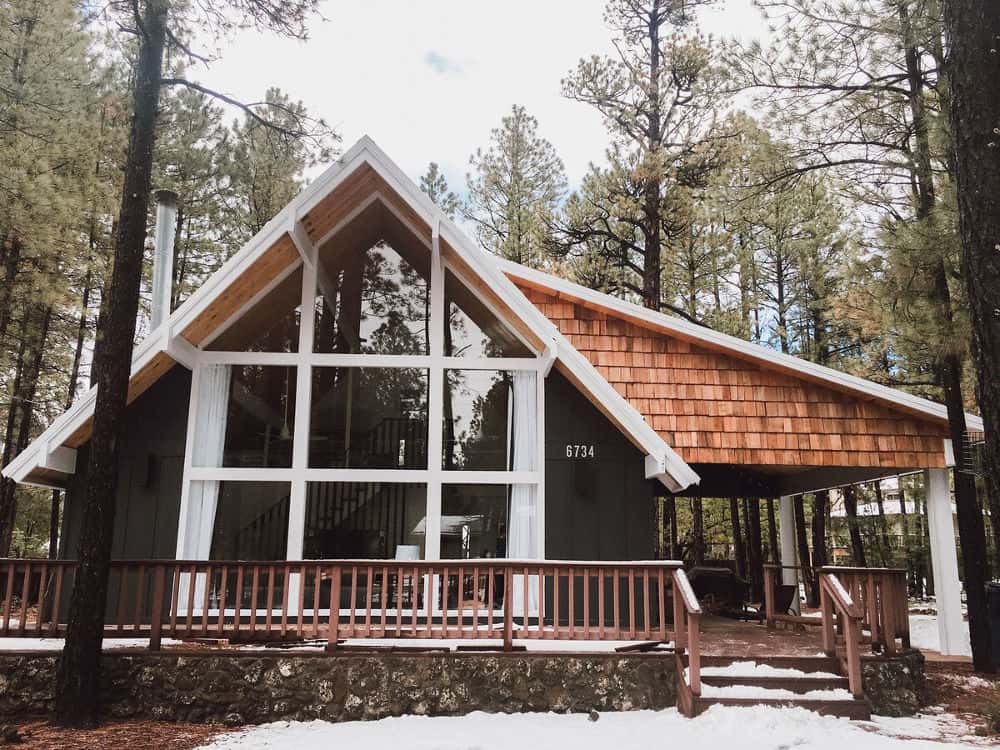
pixel 502 604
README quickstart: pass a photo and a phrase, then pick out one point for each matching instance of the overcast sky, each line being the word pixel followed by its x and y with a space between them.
pixel 428 80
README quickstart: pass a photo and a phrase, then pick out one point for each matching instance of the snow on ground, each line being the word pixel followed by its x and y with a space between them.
pixel 924 634
pixel 56 644
pixel 757 728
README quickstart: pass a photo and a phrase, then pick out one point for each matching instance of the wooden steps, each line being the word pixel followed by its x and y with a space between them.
pixel 795 684
pixel 854 709
pixel 799 684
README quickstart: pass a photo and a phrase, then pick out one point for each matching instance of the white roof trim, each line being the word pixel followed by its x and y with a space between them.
pixel 739 347
pixel 37 454
pixel 662 462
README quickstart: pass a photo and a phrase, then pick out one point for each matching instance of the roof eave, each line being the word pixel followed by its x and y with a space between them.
pixel 765 356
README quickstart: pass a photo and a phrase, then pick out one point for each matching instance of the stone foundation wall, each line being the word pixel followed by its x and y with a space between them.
pixel 895 686
pixel 251 687
pixel 255 687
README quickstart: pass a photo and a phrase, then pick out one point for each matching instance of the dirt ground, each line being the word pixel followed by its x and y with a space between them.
pixel 954 688
pixel 116 735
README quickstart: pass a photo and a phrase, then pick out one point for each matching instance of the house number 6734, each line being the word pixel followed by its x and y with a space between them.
pixel 579 450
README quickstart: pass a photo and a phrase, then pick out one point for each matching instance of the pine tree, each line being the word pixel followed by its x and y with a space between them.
pixel 657 98
pixel 434 184
pixel 973 28
pixel 156 24
pixel 515 187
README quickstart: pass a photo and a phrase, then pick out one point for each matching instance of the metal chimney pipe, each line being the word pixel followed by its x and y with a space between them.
pixel 163 255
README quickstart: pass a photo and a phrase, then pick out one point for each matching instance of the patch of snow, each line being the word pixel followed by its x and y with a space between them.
pixel 753 669
pixel 56 644
pixel 927 726
pixel 757 728
pixel 925 636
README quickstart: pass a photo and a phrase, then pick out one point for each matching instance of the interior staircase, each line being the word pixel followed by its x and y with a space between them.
pixel 811 682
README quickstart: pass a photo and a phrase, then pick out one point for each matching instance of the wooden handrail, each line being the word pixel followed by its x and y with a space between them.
pixel 687 626
pixel 835 600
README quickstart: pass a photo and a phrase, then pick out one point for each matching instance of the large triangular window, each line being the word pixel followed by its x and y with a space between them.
pixel 472 329
pixel 373 291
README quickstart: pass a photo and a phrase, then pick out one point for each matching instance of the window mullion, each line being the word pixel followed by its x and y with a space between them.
pixel 435 410
pixel 303 403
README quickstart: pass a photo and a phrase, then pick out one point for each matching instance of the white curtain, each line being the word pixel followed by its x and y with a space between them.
pixel 522 527
pixel 203 495
pixel 209 442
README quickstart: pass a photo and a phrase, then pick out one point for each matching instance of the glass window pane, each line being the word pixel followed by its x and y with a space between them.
pixel 368 418
pixel 251 521
pixel 477 433
pixel 271 325
pixel 474 520
pixel 372 302
pixel 474 331
pixel 261 418
pixel 354 520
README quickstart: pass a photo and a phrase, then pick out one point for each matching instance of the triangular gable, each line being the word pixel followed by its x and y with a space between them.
pixel 364 174
pixel 717 399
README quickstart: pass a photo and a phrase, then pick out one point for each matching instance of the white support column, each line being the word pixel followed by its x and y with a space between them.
pixel 786 525
pixel 952 629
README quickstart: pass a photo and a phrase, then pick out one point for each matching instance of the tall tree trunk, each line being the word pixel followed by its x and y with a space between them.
pixel 820 502
pixel 74 376
pixel 8 487
pixel 973 28
pixel 670 506
pixel 697 532
pixel 755 556
pixel 12 245
pixel 857 543
pixel 651 207
pixel 904 528
pixel 802 541
pixel 772 534
pixel 78 677
pixel 965 98
pixel 739 551
pixel 24 404
pixel 925 548
pixel 883 525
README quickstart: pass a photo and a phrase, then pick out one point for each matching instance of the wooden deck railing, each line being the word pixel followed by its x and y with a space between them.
pixel 878 593
pixel 496 599
pixel 836 602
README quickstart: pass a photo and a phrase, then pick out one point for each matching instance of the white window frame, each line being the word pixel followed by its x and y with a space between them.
pixel 305 359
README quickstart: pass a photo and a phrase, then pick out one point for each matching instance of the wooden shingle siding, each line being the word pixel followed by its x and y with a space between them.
pixel 712 407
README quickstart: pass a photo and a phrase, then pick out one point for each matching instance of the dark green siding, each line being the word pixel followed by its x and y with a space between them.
pixel 150 472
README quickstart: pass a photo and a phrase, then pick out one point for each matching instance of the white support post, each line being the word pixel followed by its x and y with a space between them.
pixel 952 629
pixel 789 557
pixel 540 468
